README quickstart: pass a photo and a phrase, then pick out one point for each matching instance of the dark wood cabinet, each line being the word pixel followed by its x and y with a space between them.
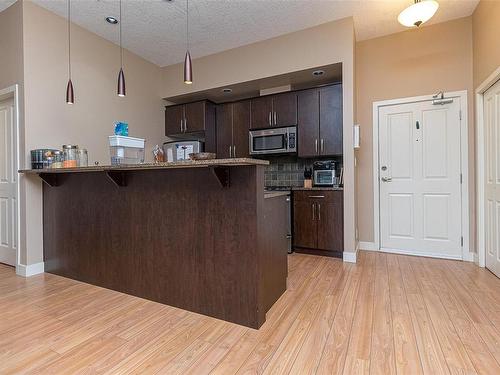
pixel 274 110
pixel 174 119
pixel 261 112
pixel 285 109
pixel 195 119
pixel 233 123
pixel 320 122
pixel 318 222
pixel 330 122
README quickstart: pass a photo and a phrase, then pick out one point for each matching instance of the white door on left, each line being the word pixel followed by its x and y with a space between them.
pixel 8 184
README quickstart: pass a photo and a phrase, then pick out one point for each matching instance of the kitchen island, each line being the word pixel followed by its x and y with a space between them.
pixel 198 235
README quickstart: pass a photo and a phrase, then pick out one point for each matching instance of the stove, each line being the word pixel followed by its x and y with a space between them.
pixel 289 212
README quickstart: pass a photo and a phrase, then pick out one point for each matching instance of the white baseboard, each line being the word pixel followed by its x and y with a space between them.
pixel 30 269
pixel 349 256
pixel 370 246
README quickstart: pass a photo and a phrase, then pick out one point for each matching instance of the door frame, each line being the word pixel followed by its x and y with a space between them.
pixel 464 166
pixel 480 256
pixel 12 92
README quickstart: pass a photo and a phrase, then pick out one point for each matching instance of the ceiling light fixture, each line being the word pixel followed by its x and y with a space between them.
pixel 188 69
pixel 112 20
pixel 121 77
pixel 418 13
pixel 70 95
pixel 227 90
pixel 318 73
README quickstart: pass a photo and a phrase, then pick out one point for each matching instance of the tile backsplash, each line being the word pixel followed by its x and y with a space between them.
pixel 287 172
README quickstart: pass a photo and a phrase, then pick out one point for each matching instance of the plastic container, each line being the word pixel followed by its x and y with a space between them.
pixel 83 157
pixel 126 150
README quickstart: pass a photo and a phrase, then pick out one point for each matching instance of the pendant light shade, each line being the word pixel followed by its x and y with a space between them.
pixel 121 89
pixel 188 70
pixel 418 13
pixel 121 84
pixel 188 67
pixel 70 94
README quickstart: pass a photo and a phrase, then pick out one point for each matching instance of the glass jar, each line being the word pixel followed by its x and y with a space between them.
pixel 58 159
pixel 70 156
pixel 83 157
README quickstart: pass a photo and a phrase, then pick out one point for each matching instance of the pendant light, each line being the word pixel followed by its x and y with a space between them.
pixel 418 13
pixel 188 69
pixel 70 95
pixel 121 77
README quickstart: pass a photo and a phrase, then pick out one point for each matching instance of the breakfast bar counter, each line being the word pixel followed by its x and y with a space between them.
pixel 197 235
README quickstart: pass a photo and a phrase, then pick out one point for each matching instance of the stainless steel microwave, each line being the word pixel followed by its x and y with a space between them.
pixel 273 141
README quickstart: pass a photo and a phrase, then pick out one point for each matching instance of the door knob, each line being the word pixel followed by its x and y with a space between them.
pixel 386 179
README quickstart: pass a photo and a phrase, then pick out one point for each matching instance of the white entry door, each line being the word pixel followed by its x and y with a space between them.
pixel 8 184
pixel 492 183
pixel 420 179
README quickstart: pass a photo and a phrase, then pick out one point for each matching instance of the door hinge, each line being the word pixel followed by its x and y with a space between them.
pixel 461 178
pixel 460 114
pixel 462 241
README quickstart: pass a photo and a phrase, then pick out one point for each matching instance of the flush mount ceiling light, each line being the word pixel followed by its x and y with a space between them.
pixel 112 20
pixel 227 91
pixel 418 13
pixel 70 95
pixel 121 91
pixel 318 73
pixel 188 69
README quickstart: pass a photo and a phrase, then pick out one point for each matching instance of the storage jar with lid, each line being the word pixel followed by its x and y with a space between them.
pixel 70 156
pixel 83 157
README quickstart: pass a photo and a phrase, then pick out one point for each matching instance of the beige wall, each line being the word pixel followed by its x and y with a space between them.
pixel 11 45
pixel 321 45
pixel 486 32
pixel 50 122
pixel 412 63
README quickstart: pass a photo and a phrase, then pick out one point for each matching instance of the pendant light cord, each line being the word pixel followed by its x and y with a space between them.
pixel 69 39
pixel 121 48
pixel 187 25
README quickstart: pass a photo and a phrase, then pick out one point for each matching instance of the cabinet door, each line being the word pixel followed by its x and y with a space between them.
pixel 308 123
pixel 195 117
pixel 304 227
pixel 261 112
pixel 174 116
pixel 241 126
pixel 330 109
pixel 330 220
pixel 224 121
pixel 285 109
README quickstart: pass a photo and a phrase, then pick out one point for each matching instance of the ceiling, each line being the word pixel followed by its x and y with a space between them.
pixel 156 29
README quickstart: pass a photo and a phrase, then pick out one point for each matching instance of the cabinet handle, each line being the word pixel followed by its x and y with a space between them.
pixel 181 124
pixel 185 125
pixel 229 151
pixel 275 118
pixel 319 211
pixel 316 145
pixel 234 151
pixel 316 196
pixel 270 123
pixel 313 205
pixel 322 145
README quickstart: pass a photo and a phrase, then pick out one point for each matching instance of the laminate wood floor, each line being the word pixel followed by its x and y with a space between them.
pixel 387 314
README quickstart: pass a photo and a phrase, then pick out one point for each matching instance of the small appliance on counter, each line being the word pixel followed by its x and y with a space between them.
pixel 324 173
pixel 126 150
pixel 180 150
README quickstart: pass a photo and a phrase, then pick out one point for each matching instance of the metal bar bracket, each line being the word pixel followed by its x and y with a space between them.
pixel 119 178
pixel 222 175
pixel 50 179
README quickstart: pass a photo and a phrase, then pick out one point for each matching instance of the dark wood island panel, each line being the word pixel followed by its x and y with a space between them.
pixel 176 236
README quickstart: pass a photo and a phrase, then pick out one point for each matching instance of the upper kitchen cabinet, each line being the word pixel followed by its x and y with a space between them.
pixel 320 122
pixel 274 110
pixel 194 119
pixel 233 123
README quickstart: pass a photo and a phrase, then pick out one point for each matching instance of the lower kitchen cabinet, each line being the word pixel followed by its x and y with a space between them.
pixel 318 222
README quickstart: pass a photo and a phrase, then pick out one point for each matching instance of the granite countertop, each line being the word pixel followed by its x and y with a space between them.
pixel 274 194
pixel 150 166
pixel 318 188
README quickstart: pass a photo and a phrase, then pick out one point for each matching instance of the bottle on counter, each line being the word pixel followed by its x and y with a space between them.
pixel 70 156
